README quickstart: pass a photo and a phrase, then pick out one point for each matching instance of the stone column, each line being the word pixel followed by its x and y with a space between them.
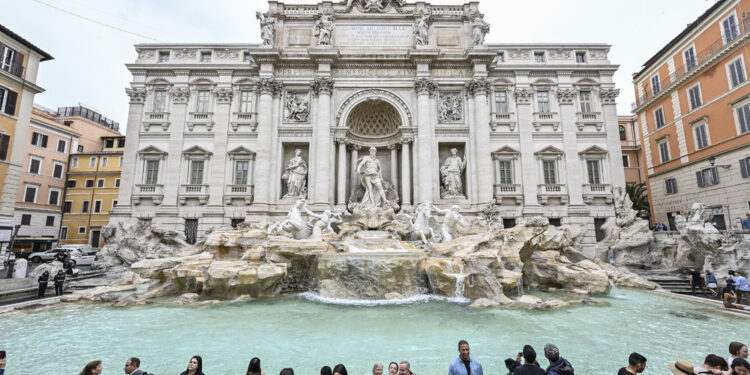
pixel 566 98
pixel 341 179
pixel 405 173
pixel 322 137
pixel 354 178
pixel 425 137
pixel 609 116
pixel 173 167
pixel 267 88
pixel 394 165
pixel 130 155
pixel 480 88
pixel 529 168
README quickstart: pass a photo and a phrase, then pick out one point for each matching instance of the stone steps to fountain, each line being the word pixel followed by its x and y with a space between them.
pixel 674 284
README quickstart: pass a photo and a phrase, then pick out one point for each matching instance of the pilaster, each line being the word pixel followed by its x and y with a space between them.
pixel 425 88
pixel 574 179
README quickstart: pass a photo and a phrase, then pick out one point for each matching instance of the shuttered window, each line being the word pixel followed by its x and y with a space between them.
pixel 745 167
pixel 743 116
pixel 550 173
pixel 8 100
pixel 594 170
pixel 4 145
pixel 736 72
pixel 671 185
pixel 707 177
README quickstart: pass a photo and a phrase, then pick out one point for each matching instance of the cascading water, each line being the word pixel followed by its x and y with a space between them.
pixel 520 287
pixel 460 281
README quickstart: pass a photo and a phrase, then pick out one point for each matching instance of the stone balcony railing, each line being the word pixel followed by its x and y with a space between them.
pixel 156 119
pixel 546 118
pixel 547 191
pixel 199 191
pixel 591 191
pixel 244 118
pixel 239 192
pixel 503 118
pixel 157 116
pixel 508 191
pixel 155 192
pixel 594 118
pixel 200 118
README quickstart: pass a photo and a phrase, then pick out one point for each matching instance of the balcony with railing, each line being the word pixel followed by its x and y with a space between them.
pixel 503 118
pixel 589 118
pixel 244 118
pixel 14 69
pixel 244 192
pixel 703 57
pixel 155 192
pixel 199 191
pixel 200 118
pixel 156 119
pixel 548 191
pixel 546 118
pixel 157 116
pixel 593 191
pixel 511 192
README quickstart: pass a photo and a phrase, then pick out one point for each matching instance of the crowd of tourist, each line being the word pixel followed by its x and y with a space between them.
pixel 525 363
pixel 735 287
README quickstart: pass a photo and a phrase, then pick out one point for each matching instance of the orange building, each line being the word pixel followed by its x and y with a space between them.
pixel 693 113
pixel 632 154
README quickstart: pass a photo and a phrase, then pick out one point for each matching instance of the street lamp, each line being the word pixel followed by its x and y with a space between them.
pixel 712 161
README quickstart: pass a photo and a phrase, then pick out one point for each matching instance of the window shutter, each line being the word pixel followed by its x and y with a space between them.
pixel 44 141
pixel 10 104
pixel 674 186
pixel 699 175
pixel 18 63
pixel 34 138
pixel 4 142
pixel 714 176
pixel 743 166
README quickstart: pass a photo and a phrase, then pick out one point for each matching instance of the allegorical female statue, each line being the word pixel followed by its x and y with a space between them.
pixel 450 173
pixel 371 177
pixel 295 176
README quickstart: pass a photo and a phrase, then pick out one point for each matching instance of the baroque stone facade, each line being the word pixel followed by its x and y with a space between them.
pixel 212 128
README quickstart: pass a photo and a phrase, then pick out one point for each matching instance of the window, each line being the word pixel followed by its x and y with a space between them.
pixel 542 99
pixel 664 150
pixel 120 143
pixel 549 168
pixel 39 139
pixel 85 206
pixel 555 221
pixel 623 134
pixel 8 58
pixel 598 231
pixel 81 230
pixel 68 207
pixel 246 57
pixel 206 56
pixel 74 163
pixel 191 231
pixel 119 161
pixel 501 101
pixel 690 61
pixel 246 101
pixel 707 177
pixel 729 26
pixel 50 222
pixel 57 170
pixel 54 197
pixel 745 167
pixel 655 84
pixel 35 165
pixel 64 233
pixel 163 56
pixel 625 161
pixel 152 172
pixel 70 183
pixel 61 145
pixel 202 103
pixel 25 219
pixel 236 222
pixel 695 97
pixel 89 183
pixel 110 143
pixel 160 100
pixel 736 72
pixel 701 136
pixel 80 148
pixel 114 203
pixel 509 222
pixel 743 117
pixel 8 100
pixel 92 162
pixel 580 57
pixel 196 172
pixel 29 195
pixel 100 183
pixel 500 57
pixel 506 172
pixel 68 123
pixel 105 160
pixel 659 117
pixel 97 206
pixel 117 182
pixel 585 97
pixel 671 185
pixel 4 145
pixel 538 57
pixel 594 170
pixel 240 172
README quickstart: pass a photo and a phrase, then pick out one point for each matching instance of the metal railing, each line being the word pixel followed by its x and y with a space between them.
pixel 15 69
pixel 701 57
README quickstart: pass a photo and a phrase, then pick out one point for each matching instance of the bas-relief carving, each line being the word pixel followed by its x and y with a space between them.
pixel 421 29
pixel 450 109
pixel 560 54
pixel 451 175
pixel 296 107
pixel 226 53
pixel 185 53
pixel 146 54
pixel 519 54
pixel 323 30
pixel 267 30
pixel 295 176
pixel 379 6
pixel 179 95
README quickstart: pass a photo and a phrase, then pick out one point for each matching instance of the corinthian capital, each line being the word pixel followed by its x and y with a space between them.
pixel 179 95
pixel 137 96
pixel 566 96
pixel 269 86
pixel 223 95
pixel 609 96
pixel 523 95
pixel 425 86
pixel 478 86
pixel 322 86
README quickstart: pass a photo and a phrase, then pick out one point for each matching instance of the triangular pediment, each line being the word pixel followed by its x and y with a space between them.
pixel 197 150
pixel 241 150
pixel 151 150
pixel 549 150
pixel 506 150
pixel 593 150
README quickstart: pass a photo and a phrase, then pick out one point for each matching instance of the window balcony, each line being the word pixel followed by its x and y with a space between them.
pixel 200 118
pixel 244 118
pixel 552 191
pixel 244 192
pixel 592 191
pixel 155 192
pixel 546 118
pixel 157 116
pixel 199 191
pixel 156 119
pixel 586 118
pixel 503 119
pixel 511 192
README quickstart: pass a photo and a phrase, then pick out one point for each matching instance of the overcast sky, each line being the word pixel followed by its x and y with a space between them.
pixel 89 58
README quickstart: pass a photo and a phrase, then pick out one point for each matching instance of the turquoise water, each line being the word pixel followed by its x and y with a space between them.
pixel 305 335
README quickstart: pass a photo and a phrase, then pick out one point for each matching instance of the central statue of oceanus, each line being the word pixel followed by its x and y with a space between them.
pixel 374 200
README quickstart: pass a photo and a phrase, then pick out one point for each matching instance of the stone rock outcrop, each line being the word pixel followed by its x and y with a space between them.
pixel 52 267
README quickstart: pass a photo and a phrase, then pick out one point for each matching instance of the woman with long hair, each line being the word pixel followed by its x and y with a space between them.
pixel 340 369
pixel 392 368
pixel 92 368
pixel 254 367
pixel 195 366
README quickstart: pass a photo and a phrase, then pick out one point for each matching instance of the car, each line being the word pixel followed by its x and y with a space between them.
pixel 80 259
pixel 76 256
pixel 45 256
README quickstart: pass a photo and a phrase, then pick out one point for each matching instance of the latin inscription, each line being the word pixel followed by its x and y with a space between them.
pixel 373 36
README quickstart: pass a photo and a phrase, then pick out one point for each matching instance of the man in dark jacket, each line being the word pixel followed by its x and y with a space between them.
pixel 557 364
pixel 59 281
pixel 42 280
pixel 529 366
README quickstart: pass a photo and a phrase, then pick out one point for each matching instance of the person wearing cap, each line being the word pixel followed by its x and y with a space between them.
pixel 557 364
pixel 713 364
pixel 681 367
pixel 636 365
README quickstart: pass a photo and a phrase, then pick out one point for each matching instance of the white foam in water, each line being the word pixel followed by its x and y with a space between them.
pixel 354 249
pixel 420 298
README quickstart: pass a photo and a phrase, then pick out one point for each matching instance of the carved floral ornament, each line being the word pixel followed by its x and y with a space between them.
pixel 227 53
pixel 179 95
pixel 566 96
pixel 146 53
pixel 223 95
pixel 268 86
pixel 479 86
pixel 523 95
pixel 425 86
pixel 609 96
pixel 322 86
pixel 137 95
pixel 185 53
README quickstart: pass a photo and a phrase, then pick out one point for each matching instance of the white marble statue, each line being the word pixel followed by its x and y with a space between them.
pixel 323 30
pixel 322 223
pixel 453 222
pixel 371 5
pixel 421 29
pixel 295 176
pixel 423 221
pixel 267 31
pixel 371 178
pixel 480 28
pixel 451 173
pixel 294 224
pixel 297 108
pixel 450 107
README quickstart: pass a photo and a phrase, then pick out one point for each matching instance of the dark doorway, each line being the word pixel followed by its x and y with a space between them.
pixel 191 231
pixel 509 223
pixel 555 221
pixel 236 222
pixel 670 220
pixel 95 234
pixel 598 223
